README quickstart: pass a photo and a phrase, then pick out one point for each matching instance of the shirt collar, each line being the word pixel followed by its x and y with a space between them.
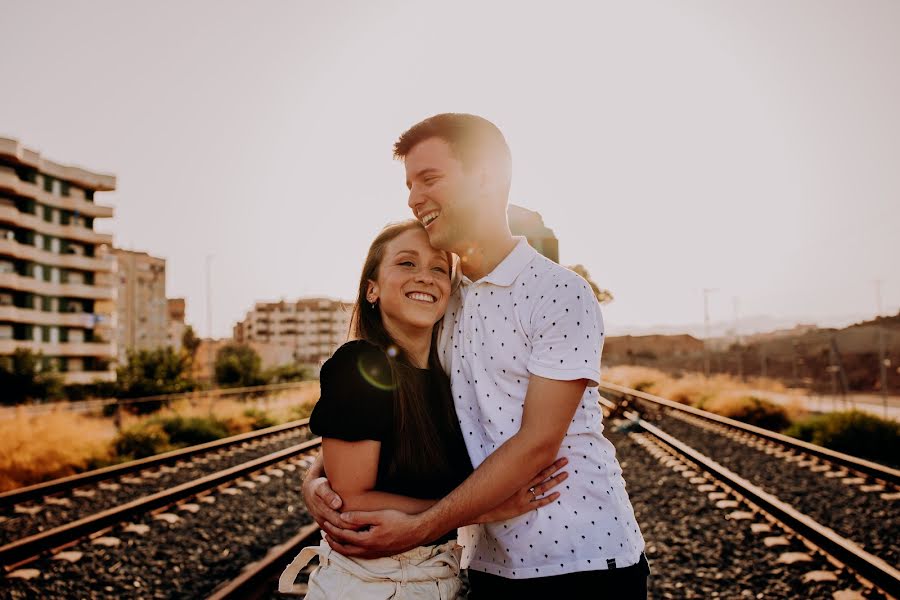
pixel 505 273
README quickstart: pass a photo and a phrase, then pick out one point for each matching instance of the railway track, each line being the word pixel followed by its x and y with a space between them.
pixel 229 533
pixel 46 506
pixel 838 494
pixel 178 542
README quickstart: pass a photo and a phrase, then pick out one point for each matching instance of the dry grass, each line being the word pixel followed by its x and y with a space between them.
pixel 60 443
pixel 721 394
pixel 57 444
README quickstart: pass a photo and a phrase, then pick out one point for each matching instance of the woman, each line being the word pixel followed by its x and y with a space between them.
pixel 391 438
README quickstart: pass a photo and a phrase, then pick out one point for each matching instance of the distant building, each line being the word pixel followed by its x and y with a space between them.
pixel 530 224
pixel 56 294
pixel 175 325
pixel 306 331
pixel 203 365
pixel 141 303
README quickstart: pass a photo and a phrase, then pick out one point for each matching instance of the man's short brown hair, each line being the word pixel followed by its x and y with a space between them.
pixel 471 138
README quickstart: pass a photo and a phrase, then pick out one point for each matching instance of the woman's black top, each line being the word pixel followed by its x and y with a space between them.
pixel 357 403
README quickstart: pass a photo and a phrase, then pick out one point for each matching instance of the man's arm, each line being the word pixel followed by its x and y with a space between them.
pixel 549 407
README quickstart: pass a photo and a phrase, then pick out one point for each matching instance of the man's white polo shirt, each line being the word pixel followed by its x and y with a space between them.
pixel 532 316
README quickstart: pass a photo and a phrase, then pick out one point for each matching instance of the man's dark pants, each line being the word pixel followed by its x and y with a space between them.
pixel 627 583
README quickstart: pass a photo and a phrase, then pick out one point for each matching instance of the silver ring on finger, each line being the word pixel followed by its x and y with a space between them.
pixel 533 495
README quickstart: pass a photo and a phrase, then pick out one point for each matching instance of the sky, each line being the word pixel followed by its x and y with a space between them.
pixel 750 148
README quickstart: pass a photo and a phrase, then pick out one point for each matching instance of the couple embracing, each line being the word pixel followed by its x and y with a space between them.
pixel 469 385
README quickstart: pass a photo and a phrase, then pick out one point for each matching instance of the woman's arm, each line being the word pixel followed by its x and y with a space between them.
pixel 352 469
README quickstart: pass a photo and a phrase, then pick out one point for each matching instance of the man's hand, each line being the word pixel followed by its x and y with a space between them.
pixel 389 532
pixel 531 497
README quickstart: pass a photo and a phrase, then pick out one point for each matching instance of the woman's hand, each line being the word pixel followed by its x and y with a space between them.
pixel 531 497
pixel 321 501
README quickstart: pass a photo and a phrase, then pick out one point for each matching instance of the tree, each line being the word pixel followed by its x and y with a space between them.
pixel 238 365
pixel 603 296
pixel 21 378
pixel 189 341
pixel 155 372
pixel 288 373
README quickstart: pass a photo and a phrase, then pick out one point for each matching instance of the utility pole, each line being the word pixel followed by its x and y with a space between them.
pixel 209 327
pixel 882 360
pixel 706 293
pixel 737 336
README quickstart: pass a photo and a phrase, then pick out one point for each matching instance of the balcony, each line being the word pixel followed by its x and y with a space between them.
pixel 15 314
pixel 11 214
pixel 10 182
pixel 70 261
pixel 99 349
pixel 47 288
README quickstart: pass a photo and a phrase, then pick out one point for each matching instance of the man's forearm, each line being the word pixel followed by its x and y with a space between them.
pixel 503 473
pixel 374 500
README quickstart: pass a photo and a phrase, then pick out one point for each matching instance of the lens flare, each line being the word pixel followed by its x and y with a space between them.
pixel 375 372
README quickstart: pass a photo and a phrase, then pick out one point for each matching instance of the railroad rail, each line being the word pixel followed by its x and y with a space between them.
pixel 258 579
pixel 873 570
pixel 67 484
pixel 26 549
pixel 628 396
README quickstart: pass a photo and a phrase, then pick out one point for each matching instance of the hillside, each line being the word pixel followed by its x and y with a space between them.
pixel 800 356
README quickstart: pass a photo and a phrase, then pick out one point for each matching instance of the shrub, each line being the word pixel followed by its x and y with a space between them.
pixel 750 410
pixel 188 431
pixel 301 411
pixel 853 432
pixel 259 419
pixel 142 440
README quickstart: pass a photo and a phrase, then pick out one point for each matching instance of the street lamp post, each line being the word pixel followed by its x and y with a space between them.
pixel 706 293
pixel 883 362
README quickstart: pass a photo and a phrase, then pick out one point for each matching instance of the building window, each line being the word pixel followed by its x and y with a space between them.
pixel 45 333
pixel 64 189
pixel 48 214
pixel 89 195
pixel 48 183
pixel 64 334
pixel 46 303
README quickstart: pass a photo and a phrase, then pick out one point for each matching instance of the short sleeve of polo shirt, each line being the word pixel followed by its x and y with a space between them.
pixel 356 398
pixel 568 333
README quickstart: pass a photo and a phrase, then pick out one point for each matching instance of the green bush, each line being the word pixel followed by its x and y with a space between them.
pixel 261 419
pixel 300 411
pixel 853 432
pixel 142 440
pixel 188 431
pixel 749 409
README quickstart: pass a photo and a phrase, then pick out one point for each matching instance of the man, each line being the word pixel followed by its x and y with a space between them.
pixel 521 341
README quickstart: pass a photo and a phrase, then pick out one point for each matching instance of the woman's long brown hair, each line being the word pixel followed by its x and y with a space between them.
pixel 418 449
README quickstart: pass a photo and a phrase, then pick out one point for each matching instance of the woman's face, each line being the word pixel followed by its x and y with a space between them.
pixel 413 283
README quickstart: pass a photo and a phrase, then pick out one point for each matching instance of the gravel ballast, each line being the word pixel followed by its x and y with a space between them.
pixel 187 558
pixel 697 550
pixel 862 517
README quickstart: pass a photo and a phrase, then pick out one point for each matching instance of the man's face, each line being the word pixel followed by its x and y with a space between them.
pixel 443 194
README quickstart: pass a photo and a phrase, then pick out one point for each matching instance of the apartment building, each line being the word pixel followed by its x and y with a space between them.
pixel 175 325
pixel 55 286
pixel 141 303
pixel 309 329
